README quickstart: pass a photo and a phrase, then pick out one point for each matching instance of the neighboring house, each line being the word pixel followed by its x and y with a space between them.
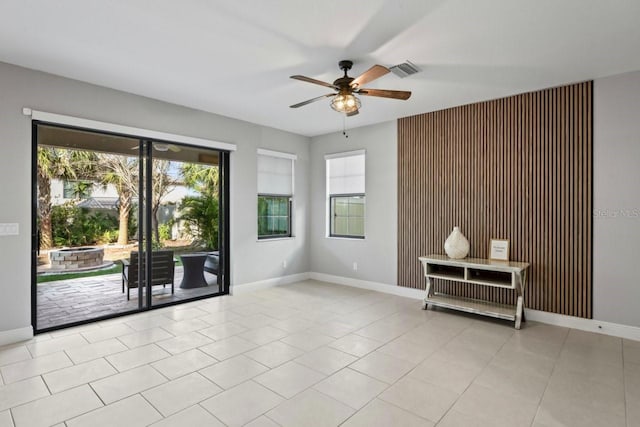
pixel 63 191
pixel 105 199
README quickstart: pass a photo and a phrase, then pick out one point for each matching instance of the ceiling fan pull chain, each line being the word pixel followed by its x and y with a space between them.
pixel 344 126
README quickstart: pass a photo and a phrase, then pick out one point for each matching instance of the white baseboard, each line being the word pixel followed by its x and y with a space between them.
pixel 267 283
pixel 16 335
pixel 365 284
pixel 590 325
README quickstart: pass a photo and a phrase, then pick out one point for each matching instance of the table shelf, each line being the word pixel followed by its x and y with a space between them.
pixel 469 305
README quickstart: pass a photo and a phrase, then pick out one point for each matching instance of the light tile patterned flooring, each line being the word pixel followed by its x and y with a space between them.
pixel 315 354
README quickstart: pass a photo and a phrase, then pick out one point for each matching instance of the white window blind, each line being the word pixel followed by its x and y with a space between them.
pixel 345 173
pixel 275 174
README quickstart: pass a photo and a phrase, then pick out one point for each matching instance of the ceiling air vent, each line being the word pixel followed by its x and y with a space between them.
pixel 405 69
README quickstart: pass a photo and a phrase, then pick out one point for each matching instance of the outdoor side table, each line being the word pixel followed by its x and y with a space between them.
pixel 193 270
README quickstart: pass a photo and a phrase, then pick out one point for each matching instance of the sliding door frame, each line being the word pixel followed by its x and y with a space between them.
pixel 144 153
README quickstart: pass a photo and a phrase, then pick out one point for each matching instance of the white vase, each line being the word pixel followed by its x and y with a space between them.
pixel 456 246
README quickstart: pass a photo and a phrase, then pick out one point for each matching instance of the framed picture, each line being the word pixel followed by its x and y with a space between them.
pixel 499 250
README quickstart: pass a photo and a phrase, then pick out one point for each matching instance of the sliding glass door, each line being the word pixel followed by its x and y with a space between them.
pixel 185 218
pixel 123 224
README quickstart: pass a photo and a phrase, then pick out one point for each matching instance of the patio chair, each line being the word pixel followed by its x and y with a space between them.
pixel 162 270
pixel 211 264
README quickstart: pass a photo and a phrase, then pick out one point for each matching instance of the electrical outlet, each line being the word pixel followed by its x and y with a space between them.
pixel 10 229
pixel 355 266
pixel 284 264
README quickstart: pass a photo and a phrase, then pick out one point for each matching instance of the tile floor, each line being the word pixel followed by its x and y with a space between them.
pixel 315 354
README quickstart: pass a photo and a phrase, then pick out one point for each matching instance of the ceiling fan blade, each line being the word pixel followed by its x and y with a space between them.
pixel 370 75
pixel 353 113
pixel 314 81
pixel 309 101
pixel 174 148
pixel 384 93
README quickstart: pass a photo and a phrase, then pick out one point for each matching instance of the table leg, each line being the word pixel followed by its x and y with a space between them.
pixel 520 317
pixel 523 286
pixel 519 312
pixel 425 305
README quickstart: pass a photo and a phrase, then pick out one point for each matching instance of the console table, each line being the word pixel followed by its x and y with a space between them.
pixel 499 274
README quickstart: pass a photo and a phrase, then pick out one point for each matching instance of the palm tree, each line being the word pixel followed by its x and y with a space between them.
pixel 161 184
pixel 122 173
pixel 59 163
pixel 53 163
pixel 202 178
pixel 200 217
pixel 200 213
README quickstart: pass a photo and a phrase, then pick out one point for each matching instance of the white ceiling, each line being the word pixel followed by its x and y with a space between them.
pixel 234 57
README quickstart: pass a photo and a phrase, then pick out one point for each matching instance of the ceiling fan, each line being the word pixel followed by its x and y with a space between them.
pixel 166 147
pixel 161 146
pixel 345 101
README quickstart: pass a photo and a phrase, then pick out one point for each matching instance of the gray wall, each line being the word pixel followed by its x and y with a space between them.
pixel 21 87
pixel 616 202
pixel 617 199
pixel 376 255
pixel 616 194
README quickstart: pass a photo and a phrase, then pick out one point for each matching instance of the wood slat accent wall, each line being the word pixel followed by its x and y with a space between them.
pixel 517 168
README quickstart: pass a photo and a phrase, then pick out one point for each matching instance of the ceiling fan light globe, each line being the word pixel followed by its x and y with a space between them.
pixel 345 103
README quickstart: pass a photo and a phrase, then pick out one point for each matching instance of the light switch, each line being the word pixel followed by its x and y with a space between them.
pixel 9 229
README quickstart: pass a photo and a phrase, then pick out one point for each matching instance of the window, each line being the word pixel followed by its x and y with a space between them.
pixel 346 194
pixel 347 216
pixel 274 216
pixel 76 189
pixel 275 194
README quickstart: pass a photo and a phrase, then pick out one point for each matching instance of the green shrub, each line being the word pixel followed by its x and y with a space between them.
pixel 164 230
pixel 200 217
pixel 109 236
pixel 74 226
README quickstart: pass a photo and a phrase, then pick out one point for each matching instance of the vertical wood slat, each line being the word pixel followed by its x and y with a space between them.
pixel 518 168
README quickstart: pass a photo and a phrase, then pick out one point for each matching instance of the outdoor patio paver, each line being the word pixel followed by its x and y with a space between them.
pixel 75 300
